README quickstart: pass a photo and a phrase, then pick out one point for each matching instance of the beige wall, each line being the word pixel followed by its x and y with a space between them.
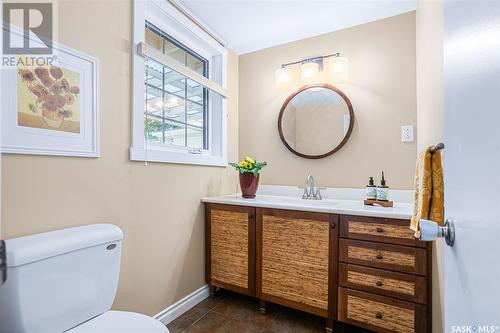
pixel 381 88
pixel 430 117
pixel 157 206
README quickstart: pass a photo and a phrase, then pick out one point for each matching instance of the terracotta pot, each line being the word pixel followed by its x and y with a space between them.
pixel 248 184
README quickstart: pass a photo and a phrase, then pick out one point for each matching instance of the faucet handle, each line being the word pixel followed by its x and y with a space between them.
pixel 317 195
pixel 305 194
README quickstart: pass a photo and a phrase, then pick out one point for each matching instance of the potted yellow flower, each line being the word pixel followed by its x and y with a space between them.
pixel 249 170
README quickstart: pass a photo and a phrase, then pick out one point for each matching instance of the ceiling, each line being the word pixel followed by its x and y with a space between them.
pixel 251 25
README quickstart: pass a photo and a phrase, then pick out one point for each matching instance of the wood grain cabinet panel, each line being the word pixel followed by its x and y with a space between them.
pixel 392 231
pixel 381 314
pixel 294 259
pixel 393 257
pixel 231 248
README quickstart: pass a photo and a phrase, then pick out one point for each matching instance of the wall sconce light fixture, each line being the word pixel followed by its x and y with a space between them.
pixel 310 68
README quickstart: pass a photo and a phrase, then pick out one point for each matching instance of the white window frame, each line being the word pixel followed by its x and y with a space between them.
pixel 170 20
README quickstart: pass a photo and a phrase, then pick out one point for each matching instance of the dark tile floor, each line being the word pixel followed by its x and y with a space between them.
pixel 232 313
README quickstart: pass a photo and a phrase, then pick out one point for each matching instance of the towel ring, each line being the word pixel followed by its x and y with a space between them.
pixel 436 147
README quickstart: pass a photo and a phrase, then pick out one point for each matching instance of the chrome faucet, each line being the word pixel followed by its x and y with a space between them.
pixel 311 192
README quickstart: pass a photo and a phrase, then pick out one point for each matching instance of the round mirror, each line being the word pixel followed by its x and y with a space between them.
pixel 315 121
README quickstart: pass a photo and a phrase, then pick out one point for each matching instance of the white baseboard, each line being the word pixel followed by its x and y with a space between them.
pixel 178 308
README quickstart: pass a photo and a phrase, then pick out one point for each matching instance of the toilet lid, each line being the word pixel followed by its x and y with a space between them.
pixel 120 322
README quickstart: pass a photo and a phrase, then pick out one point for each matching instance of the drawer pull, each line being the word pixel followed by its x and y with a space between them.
pixel 378 315
pixel 379 283
pixel 380 230
pixel 379 257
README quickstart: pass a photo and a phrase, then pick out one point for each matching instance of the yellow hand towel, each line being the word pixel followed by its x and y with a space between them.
pixel 428 202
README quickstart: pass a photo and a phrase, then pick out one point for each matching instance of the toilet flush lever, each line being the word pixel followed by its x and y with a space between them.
pixel 430 230
pixel 3 262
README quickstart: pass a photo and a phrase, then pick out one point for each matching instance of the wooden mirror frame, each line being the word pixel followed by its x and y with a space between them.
pixel 309 86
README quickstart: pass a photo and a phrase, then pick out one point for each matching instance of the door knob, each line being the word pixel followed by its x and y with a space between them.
pixel 430 231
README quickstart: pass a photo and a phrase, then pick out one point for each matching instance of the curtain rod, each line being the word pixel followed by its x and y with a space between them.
pixel 193 19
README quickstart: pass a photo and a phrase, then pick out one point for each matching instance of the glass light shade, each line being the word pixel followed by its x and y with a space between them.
pixel 339 68
pixel 309 70
pixel 282 75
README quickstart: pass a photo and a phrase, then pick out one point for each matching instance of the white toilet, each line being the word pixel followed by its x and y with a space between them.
pixel 65 281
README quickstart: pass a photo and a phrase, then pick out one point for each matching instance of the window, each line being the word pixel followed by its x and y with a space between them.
pixel 176 108
pixel 181 115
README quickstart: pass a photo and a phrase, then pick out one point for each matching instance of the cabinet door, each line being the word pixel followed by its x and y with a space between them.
pixel 295 262
pixel 230 247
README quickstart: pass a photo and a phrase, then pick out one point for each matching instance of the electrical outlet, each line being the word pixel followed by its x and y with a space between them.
pixel 407 133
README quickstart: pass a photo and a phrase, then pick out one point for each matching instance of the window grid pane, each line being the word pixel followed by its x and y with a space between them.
pixel 176 108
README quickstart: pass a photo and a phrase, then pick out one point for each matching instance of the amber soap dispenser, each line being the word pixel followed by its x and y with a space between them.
pixel 383 190
pixel 371 190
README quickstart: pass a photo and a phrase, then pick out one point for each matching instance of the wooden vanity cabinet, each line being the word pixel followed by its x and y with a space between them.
pixel 230 248
pixel 296 260
pixel 365 271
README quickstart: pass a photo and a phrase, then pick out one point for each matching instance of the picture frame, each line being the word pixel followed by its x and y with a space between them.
pixel 52 109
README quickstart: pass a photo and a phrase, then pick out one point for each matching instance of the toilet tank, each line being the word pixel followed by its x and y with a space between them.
pixel 60 279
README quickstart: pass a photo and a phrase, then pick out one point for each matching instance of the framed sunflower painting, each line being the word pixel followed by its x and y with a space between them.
pixel 51 107
pixel 48 98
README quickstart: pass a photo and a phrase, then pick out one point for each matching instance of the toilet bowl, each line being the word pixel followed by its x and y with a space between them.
pixel 120 322
pixel 66 281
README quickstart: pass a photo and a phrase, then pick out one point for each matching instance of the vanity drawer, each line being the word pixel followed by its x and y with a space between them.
pixel 404 286
pixel 383 230
pixel 394 257
pixel 381 314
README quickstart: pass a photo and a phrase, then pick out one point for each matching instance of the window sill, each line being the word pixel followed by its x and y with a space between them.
pixel 162 156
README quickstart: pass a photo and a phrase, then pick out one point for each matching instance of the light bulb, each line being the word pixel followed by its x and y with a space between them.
pixel 309 70
pixel 282 75
pixel 339 68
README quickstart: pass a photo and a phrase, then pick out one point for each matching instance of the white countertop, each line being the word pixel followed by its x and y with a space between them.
pixel 328 205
